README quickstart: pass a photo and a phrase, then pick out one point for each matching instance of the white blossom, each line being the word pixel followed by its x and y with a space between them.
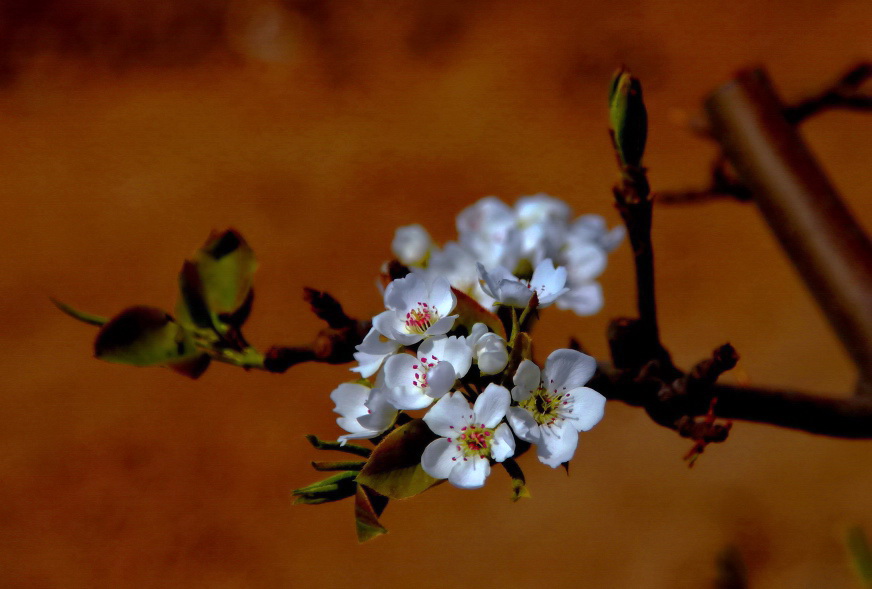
pixel 411 244
pixel 364 412
pixel 488 349
pixel 554 406
pixel 414 382
pixel 547 281
pixel 471 437
pixel 416 309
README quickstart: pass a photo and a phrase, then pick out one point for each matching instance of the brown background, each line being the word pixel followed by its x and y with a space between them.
pixel 131 129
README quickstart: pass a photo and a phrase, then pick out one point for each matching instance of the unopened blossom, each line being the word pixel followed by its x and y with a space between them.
pixel 416 309
pixel 364 412
pixel 414 382
pixel 472 436
pixel 554 406
pixel 488 349
pixel 372 351
pixel 411 244
pixel 488 229
pixel 548 282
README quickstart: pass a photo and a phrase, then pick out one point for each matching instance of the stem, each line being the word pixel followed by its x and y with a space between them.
pixel 804 211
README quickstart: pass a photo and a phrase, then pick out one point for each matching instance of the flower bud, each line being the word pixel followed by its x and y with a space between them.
pixel 491 353
pixel 411 245
pixel 628 118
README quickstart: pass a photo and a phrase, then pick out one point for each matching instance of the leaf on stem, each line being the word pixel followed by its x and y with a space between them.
pixel 333 488
pixel 216 285
pixel 148 336
pixel 394 469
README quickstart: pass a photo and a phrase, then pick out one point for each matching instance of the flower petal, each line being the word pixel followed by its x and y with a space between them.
pixel 582 299
pixel 503 444
pixel 442 326
pixel 440 379
pixel 568 369
pixel 527 379
pixel 523 424
pixel 449 414
pixel 490 406
pixel 380 413
pixel 399 370
pixel 349 398
pixel 408 398
pixel 469 473
pixel 439 458
pixel 558 446
pixel 586 408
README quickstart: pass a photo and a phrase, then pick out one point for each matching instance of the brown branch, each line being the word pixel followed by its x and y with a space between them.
pixel 840 417
pixel 844 93
pixel 825 243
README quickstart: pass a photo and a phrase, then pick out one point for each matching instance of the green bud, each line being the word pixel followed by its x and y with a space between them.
pixel 628 119
pixel 333 488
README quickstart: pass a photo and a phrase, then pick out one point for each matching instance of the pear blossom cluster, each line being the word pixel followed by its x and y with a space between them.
pixel 426 356
pixel 503 254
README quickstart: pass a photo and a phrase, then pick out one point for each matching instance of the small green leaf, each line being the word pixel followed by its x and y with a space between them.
pixel 628 118
pixel 215 286
pixel 144 336
pixel 338 465
pixel 368 506
pixel 319 444
pixel 394 469
pixel 81 315
pixel 470 312
pixel 333 488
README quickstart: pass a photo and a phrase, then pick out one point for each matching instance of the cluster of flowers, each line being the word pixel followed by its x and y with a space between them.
pixel 420 356
pixel 515 242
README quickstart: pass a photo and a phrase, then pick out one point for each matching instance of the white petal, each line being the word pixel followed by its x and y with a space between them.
pixel 582 299
pixel 440 379
pixel 494 355
pixel 527 379
pixel 439 458
pixel 491 405
pixel 559 446
pixel 503 444
pixel 513 293
pixel 567 369
pixel 411 244
pixel 440 296
pixel 349 398
pixel 457 351
pixel 585 261
pixel 380 413
pixel 399 371
pixel 408 398
pixel 478 330
pixel 586 407
pixel 372 351
pixel 442 326
pixel 523 424
pixel 470 473
pixel 448 415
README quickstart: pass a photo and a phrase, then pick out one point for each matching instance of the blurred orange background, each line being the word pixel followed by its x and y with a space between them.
pixel 131 129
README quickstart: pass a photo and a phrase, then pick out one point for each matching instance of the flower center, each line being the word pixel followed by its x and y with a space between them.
pixel 422 368
pixel 546 406
pixel 419 319
pixel 474 441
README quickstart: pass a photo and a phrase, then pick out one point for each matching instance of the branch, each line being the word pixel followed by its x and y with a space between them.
pixel 844 93
pixel 824 241
pixel 840 417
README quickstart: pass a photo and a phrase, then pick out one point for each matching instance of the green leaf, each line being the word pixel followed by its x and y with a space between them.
pixel 368 506
pixel 470 312
pixel 628 118
pixel 145 336
pixel 215 286
pixel 347 448
pixel 394 468
pixel 81 315
pixel 333 488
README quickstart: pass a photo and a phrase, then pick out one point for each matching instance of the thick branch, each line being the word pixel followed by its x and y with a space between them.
pixel 825 243
pixel 842 417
